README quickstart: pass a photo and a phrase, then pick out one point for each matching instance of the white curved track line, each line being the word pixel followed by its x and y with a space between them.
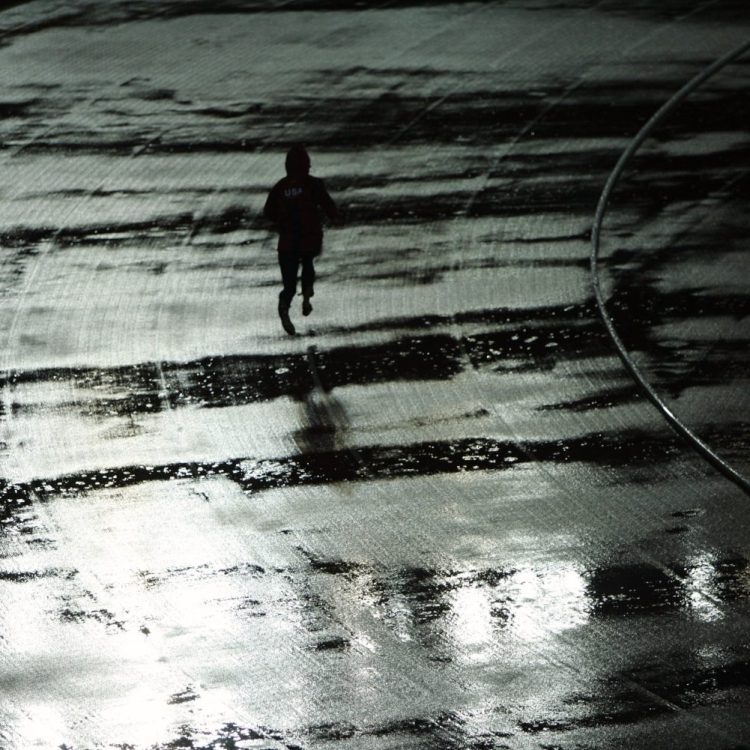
pixel 674 422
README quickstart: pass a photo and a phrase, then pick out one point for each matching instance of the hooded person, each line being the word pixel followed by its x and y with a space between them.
pixel 296 205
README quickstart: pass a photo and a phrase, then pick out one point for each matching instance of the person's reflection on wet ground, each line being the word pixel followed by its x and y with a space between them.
pixel 325 421
pixel 322 417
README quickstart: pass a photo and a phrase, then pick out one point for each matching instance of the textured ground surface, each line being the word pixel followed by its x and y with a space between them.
pixel 441 516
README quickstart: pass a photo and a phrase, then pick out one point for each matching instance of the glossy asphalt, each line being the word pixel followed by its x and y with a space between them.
pixel 442 515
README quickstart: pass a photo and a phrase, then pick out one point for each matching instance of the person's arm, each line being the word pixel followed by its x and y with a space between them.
pixel 271 209
pixel 326 203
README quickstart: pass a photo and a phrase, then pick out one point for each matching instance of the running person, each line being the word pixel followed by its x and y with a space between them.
pixel 294 205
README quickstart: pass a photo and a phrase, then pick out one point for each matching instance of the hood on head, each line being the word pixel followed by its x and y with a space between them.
pixel 297 162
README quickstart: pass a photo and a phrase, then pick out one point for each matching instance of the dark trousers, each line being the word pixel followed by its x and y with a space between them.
pixel 289 264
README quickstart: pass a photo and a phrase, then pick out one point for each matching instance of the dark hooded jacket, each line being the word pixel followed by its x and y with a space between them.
pixel 295 205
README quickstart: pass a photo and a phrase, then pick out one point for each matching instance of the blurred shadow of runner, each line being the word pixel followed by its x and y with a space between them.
pixel 323 421
pixel 295 205
pixel 323 418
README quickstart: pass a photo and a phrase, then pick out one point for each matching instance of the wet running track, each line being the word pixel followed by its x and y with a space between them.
pixel 441 516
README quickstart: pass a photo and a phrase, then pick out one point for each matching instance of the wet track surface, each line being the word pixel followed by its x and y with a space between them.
pixel 441 516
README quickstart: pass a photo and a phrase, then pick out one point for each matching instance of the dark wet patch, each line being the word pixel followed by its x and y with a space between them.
pixel 425 590
pixel 32 26
pixel 689 513
pixel 186 696
pixel 230 736
pixel 35 575
pixel 605 109
pixel 333 644
pixel 333 732
pixel 669 10
pixel 642 589
pixel 525 318
pixel 628 708
pixel 101 234
pixel 241 379
pixel 234 380
pixel 12 498
pixel 431 274
pixel 634 590
pixel 152 579
pixel 491 576
pixel 156 94
pixel 480 413
pixel 114 13
pixel 9 110
pixel 103 616
pixel 228 113
pixel 155 192
pixel 677 680
pixel 446 730
pixel 244 569
pixel 405 726
pixel 606 399
pixel 42 543
pixel 688 681
pixel 251 607
pixel 376 462
pixel 334 567
pixel 535 339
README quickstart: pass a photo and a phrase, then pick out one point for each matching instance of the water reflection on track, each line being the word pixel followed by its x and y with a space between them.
pixel 440 517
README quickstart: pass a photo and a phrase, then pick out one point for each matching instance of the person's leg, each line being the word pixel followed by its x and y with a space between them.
pixel 289 264
pixel 308 281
